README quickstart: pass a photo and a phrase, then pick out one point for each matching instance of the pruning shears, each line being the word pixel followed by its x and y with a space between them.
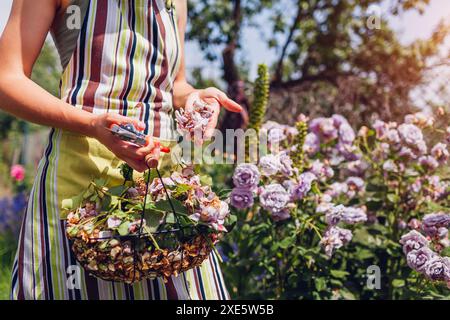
pixel 127 132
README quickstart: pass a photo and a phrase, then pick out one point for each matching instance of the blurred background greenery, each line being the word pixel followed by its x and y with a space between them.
pixel 327 56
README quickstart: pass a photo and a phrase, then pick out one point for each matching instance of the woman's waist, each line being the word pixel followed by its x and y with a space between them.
pixel 102 96
pixel 121 106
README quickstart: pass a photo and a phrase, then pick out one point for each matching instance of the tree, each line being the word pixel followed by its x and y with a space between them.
pixel 323 46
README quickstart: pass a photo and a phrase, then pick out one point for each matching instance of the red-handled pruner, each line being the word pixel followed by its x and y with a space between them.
pixel 127 132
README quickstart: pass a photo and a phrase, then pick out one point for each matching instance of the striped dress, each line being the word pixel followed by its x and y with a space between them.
pixel 124 59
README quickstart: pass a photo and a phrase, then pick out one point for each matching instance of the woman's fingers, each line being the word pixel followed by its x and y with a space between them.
pixel 191 100
pixel 209 132
pixel 222 98
pixel 117 118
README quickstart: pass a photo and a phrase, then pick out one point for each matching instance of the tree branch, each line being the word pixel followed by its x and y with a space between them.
pixel 331 78
pixel 230 70
pixel 279 69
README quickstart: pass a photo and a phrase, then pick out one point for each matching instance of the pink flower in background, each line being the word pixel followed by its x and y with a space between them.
pixel 17 172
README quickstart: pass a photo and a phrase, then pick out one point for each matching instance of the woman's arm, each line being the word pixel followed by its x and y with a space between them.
pixel 20 45
pixel 185 94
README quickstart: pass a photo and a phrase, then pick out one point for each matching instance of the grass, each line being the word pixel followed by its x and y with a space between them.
pixel 7 250
pixel 5 282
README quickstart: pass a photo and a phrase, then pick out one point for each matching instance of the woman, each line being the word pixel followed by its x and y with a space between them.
pixel 124 65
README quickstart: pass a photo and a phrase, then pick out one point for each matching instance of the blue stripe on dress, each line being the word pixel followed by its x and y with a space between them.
pixel 81 59
pixel 152 70
pixel 133 51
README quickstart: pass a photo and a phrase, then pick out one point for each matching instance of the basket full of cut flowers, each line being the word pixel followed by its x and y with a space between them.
pixel 154 227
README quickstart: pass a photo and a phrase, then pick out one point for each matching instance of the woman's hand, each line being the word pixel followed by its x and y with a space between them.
pixel 137 157
pixel 214 98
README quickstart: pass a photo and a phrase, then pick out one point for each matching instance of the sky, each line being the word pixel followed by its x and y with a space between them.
pixel 410 26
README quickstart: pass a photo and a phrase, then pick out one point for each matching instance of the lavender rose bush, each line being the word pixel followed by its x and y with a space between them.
pixel 331 202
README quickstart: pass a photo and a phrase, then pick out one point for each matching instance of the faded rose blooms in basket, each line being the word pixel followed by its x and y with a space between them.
pixel 115 239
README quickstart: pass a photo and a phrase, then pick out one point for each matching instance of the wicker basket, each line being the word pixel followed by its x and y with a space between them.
pixel 131 259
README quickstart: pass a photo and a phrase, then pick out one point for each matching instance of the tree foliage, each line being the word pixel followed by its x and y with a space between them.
pixel 322 46
pixel 46 73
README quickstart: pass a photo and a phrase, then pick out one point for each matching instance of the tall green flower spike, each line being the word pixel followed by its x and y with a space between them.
pixel 261 98
pixel 298 155
pixel 259 106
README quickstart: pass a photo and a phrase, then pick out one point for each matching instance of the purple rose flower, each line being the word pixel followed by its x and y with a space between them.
pixel 420 119
pixel 348 151
pixel 346 134
pixel 305 180
pixel 356 183
pixel 336 189
pixel 354 215
pixel 381 128
pixel 276 135
pixel 324 207
pixel 312 144
pixel 335 238
pixel 270 165
pixel 281 215
pixel 246 176
pixel 414 224
pixel 324 128
pixel 410 134
pixel 413 240
pixel 357 168
pixel 433 221
pixel 355 186
pixel 339 120
pixel 418 259
pixel 416 186
pixel 241 198
pixel 390 166
pixel 407 153
pixel 428 163
pixel 393 137
pixel 438 269
pixel 334 214
pixel 442 233
pixel 286 164
pixel 440 152
pixel 274 198
pixel 321 171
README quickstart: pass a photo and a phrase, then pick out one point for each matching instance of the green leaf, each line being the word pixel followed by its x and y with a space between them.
pixel 153 219
pixel 398 283
pixel 181 189
pixel 170 218
pixel 100 182
pixel 321 284
pixel 206 180
pixel 392 197
pixel 446 252
pixel 286 242
pixel 341 274
pixel 315 188
pixel 106 202
pixel 123 228
pixel 164 206
pixel 118 190
pixel 72 203
pixel 292 279
pixel 224 194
